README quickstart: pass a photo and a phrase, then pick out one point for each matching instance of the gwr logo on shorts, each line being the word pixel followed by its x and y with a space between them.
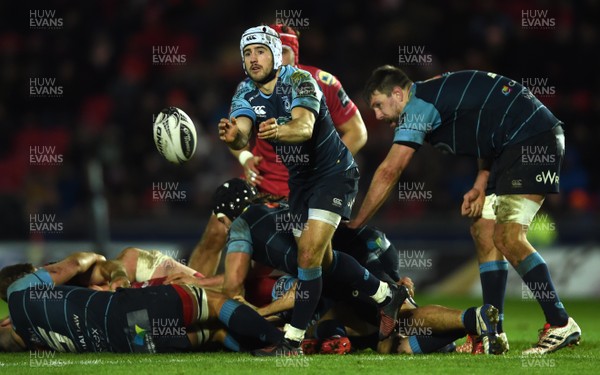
pixel 547 177
pixel 337 202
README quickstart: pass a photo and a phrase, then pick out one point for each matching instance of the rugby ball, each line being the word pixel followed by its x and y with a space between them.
pixel 174 135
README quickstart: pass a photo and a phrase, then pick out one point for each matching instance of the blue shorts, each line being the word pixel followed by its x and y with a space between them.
pixel 334 194
pixel 530 167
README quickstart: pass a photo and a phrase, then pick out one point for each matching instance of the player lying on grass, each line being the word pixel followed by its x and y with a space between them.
pixel 421 330
pixel 46 314
pixel 254 236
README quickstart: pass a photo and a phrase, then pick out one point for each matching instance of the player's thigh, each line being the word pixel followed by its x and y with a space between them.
pixel 531 167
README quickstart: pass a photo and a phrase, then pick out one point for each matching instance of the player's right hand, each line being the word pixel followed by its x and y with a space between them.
pixel 473 201
pixel 228 130
pixel 251 170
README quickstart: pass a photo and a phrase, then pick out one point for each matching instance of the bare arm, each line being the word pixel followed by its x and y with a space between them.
pixel 297 130
pixel 474 199
pixel 73 265
pixel 235 132
pixel 385 178
pixel 236 269
pixel 354 133
pixel 283 303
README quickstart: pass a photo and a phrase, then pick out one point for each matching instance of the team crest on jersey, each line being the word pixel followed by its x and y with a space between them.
pixel 298 76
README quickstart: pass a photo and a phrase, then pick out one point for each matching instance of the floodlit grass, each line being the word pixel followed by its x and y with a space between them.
pixel 524 318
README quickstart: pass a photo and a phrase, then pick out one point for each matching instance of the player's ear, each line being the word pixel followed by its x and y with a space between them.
pixel 397 93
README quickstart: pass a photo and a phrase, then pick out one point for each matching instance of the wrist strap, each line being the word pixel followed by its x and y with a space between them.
pixel 244 156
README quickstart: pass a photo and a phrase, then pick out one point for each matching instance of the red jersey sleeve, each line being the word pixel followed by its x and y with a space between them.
pixel 341 107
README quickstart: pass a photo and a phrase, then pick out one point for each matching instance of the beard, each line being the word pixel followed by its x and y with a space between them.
pixel 262 76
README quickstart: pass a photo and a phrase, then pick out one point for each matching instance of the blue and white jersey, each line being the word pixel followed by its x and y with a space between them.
pixel 471 113
pixel 61 318
pixel 74 319
pixel 324 154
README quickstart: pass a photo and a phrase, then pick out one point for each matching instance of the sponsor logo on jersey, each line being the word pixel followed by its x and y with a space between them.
pixel 517 183
pixel 548 177
pixel 306 89
pixel 326 78
pixel 337 202
pixel 506 90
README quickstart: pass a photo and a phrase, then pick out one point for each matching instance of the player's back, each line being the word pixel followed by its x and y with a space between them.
pixel 63 318
pixel 475 113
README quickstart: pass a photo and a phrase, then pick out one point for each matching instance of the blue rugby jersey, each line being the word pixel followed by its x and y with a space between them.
pixel 324 154
pixel 76 319
pixel 472 113
pixel 61 318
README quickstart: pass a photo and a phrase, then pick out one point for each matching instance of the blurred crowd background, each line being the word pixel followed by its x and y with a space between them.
pixel 102 57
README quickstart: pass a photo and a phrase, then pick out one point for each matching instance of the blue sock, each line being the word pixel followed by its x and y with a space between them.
pixel 431 344
pixel 469 319
pixel 535 274
pixel 493 277
pixel 243 320
pixel 231 343
pixel 346 270
pixel 308 294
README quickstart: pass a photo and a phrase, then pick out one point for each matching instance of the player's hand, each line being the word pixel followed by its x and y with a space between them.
pixel 351 224
pixel 228 130
pixel 181 279
pixel 5 322
pixel 100 288
pixel 119 282
pixel 251 170
pixel 472 204
pixel 268 129
pixel 241 299
pixel 408 283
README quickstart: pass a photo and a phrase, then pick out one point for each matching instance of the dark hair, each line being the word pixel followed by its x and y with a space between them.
pixel 384 79
pixel 10 274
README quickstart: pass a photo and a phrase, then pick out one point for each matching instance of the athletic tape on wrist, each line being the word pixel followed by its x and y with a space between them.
pixel 244 156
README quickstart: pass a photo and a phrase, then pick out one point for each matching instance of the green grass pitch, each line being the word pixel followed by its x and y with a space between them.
pixel 523 319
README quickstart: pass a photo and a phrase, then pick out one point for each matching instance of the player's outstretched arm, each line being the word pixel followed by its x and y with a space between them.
pixel 235 132
pixel 385 178
pixel 283 303
pixel 354 133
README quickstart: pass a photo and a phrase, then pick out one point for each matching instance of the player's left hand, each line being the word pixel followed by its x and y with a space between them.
pixel 268 129
pixel 472 204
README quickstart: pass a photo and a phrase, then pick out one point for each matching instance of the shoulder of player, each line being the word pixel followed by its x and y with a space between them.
pixel 323 77
pixel 295 76
pixel 245 87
